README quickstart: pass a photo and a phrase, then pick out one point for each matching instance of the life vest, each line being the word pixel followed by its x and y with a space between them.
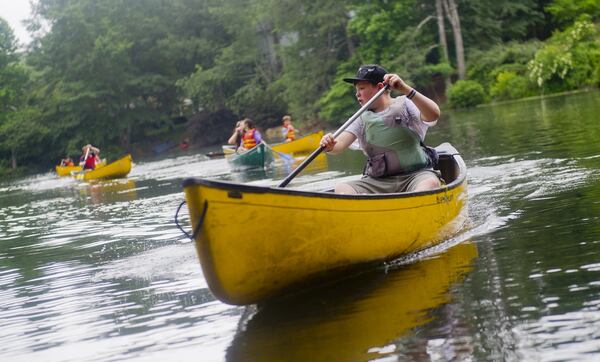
pixel 90 162
pixel 248 140
pixel 289 134
pixel 391 147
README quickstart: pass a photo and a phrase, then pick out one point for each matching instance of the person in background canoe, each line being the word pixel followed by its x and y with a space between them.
pixel 391 135
pixel 67 161
pixel 184 144
pixel 251 135
pixel 287 129
pixel 238 133
pixel 93 157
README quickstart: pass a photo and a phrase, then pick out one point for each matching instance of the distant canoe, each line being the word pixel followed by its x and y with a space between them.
pixel 119 168
pixel 259 156
pixel 304 144
pixel 214 154
pixel 228 149
pixel 67 170
pixel 277 238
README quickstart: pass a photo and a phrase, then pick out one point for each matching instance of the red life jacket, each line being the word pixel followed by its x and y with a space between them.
pixel 90 162
pixel 248 141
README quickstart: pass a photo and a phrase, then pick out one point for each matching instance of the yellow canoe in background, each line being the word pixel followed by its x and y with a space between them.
pixel 119 168
pixel 304 144
pixel 255 242
pixel 66 170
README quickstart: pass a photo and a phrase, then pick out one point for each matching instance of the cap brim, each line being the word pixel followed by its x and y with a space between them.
pixel 353 80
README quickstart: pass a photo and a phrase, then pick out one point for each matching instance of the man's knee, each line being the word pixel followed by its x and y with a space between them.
pixel 430 183
pixel 342 188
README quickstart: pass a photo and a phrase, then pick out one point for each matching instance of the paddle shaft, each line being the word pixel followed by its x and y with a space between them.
pixel 87 152
pixel 335 135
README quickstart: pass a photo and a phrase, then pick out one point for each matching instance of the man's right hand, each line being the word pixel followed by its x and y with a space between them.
pixel 328 142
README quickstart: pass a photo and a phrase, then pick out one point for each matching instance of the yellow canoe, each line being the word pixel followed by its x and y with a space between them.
pixel 67 170
pixel 228 149
pixel 255 242
pixel 119 168
pixel 304 144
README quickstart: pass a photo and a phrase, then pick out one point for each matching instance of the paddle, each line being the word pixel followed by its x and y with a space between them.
pixel 335 135
pixel 74 173
pixel 285 156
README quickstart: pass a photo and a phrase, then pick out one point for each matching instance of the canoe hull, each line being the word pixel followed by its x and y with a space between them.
pixel 68 170
pixel 304 144
pixel 256 242
pixel 258 157
pixel 116 169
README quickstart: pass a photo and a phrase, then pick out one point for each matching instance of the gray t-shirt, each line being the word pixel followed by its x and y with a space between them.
pixel 403 110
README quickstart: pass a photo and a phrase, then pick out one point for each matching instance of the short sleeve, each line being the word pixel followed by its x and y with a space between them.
pixel 356 128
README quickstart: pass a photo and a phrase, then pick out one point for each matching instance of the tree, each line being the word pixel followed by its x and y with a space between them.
pixel 115 64
pixel 451 11
pixel 12 88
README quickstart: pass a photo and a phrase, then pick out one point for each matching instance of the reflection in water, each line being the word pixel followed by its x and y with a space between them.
pixel 108 191
pixel 318 164
pixel 357 319
pixel 281 168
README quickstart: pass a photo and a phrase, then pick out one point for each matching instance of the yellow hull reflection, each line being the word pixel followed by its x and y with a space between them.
pixel 356 320
pixel 107 191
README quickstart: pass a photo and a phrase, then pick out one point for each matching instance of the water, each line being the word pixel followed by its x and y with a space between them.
pixel 98 272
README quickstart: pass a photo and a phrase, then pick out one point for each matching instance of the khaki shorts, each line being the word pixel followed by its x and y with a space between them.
pixel 391 184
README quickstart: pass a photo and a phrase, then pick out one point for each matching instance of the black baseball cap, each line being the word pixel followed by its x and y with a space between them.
pixel 370 72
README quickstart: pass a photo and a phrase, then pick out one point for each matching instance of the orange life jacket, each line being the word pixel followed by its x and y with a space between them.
pixel 248 141
pixel 290 135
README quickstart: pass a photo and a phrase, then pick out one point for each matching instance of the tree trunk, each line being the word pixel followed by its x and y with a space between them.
pixel 13 158
pixel 454 19
pixel 439 10
pixel 350 46
pixel 269 42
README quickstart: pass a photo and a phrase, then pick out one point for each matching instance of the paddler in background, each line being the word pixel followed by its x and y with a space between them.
pixel 287 129
pixel 251 136
pixel 89 157
pixel 67 161
pixel 238 133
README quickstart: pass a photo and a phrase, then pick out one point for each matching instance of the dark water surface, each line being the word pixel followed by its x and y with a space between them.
pixel 98 272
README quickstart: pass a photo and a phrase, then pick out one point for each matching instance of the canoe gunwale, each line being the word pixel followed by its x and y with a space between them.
pixel 233 186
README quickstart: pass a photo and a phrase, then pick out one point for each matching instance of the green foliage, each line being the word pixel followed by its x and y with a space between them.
pixel 567 11
pixel 111 72
pixel 485 66
pixel 400 35
pixel 466 93
pixel 489 23
pixel 510 85
pixel 568 60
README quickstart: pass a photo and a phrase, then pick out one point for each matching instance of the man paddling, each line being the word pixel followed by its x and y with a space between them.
pixel 391 134
pixel 89 157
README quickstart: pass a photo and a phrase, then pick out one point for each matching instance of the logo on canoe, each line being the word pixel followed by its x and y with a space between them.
pixel 444 198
